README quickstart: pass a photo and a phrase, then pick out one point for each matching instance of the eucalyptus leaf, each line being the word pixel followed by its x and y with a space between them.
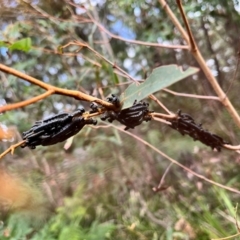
pixel 160 78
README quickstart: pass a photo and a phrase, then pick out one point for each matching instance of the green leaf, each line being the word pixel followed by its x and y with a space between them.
pixel 160 78
pixel 24 44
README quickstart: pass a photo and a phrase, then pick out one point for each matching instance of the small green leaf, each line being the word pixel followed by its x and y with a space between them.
pixel 160 78
pixel 24 44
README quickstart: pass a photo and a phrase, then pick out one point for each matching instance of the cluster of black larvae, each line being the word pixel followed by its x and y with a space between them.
pixel 130 117
pixel 56 129
pixel 185 124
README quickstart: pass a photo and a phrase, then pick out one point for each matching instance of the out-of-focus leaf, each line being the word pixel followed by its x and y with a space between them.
pixel 160 78
pixel 24 44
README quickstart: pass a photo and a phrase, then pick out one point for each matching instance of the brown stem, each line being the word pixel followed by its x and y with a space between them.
pixel 190 35
pixel 191 95
pixel 11 149
pixel 174 19
pixel 50 90
pixel 9 107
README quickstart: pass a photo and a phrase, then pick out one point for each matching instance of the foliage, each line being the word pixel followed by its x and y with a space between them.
pixel 100 186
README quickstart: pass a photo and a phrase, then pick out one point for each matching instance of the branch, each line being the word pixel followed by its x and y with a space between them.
pixel 190 35
pixel 191 95
pixel 50 90
pixel 174 20
pixel 26 102
pixel 11 149
pixel 159 187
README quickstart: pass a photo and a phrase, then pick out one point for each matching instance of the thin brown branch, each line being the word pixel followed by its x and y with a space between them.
pixel 190 35
pixel 11 149
pixel 161 120
pixel 9 107
pixel 163 116
pixel 160 104
pixel 54 90
pixel 191 95
pixel 231 147
pixel 174 20
pixel 80 44
pixel 156 189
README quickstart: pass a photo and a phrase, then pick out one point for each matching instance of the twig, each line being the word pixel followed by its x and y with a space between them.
pixel 26 102
pixel 50 90
pixel 174 20
pixel 191 95
pixel 163 116
pixel 231 147
pixel 11 149
pixel 190 35
pixel 156 189
pixel 161 120
pixel 80 44
pixel 160 104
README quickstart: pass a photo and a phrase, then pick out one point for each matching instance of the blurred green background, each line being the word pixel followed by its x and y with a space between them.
pixel 101 187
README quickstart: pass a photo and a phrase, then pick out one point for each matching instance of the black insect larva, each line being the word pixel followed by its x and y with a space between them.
pixel 185 124
pixel 55 129
pixel 130 117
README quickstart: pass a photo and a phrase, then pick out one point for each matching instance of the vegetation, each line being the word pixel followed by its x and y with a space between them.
pixel 150 182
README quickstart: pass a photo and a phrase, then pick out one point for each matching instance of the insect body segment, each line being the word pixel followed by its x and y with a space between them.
pixel 130 117
pixel 55 129
pixel 185 124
